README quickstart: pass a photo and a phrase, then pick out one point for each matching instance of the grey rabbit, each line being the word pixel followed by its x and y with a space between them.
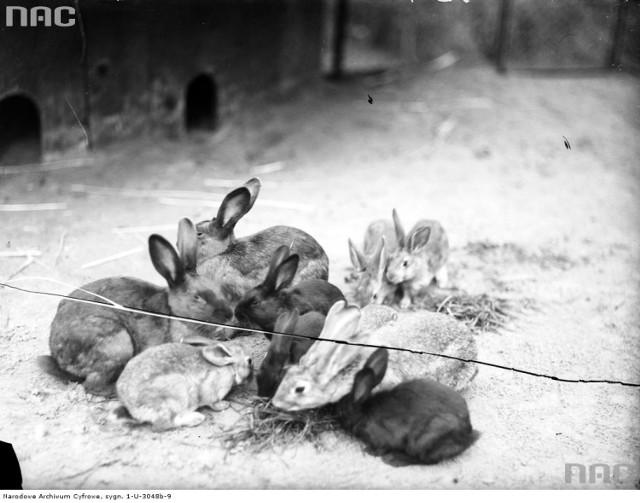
pixel 417 422
pixel 166 385
pixel 92 344
pixel 372 286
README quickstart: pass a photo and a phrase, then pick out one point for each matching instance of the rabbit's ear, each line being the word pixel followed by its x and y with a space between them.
pixel 419 239
pixel 377 362
pixel 379 259
pixel 286 322
pixel 341 325
pixel 253 186
pixel 345 354
pixel 398 228
pixel 187 244
pixel 234 206
pixel 278 257
pixel 370 376
pixel 217 355
pixel 357 259
pixel 362 386
pixel 286 272
pixel 281 344
pixel 338 316
pixel 166 260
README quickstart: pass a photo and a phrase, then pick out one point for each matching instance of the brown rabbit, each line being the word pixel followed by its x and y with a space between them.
pixel 420 258
pixel 238 264
pixel 284 350
pixel 372 286
pixel 262 305
pixel 92 344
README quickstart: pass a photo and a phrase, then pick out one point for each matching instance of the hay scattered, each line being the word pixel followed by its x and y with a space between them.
pixel 267 428
pixel 481 312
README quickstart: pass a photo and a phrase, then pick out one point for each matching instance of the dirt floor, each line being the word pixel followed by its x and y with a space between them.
pixel 555 230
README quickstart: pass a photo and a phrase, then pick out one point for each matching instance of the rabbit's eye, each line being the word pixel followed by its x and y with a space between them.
pixel 299 390
pixel 375 296
pixel 197 297
pixel 405 263
pixel 254 302
pixel 249 361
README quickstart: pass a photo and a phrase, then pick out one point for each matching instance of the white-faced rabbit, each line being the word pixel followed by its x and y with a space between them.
pixel 372 286
pixel 325 373
pixel 418 422
pixel 262 305
pixel 285 351
pixel 166 384
pixel 238 264
pixel 92 344
pixel 420 258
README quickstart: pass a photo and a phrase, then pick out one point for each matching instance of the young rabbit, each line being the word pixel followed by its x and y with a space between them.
pixel 417 422
pixel 420 258
pixel 92 344
pixel 166 384
pixel 238 264
pixel 372 286
pixel 285 351
pixel 325 373
pixel 262 305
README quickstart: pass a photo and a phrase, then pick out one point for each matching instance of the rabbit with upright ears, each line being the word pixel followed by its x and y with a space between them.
pixel 372 286
pixel 420 258
pixel 238 264
pixel 262 305
pixel 285 350
pixel 92 344
pixel 418 422
pixel 166 384
pixel 325 373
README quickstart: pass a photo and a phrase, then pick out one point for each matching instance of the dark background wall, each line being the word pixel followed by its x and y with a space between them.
pixel 126 66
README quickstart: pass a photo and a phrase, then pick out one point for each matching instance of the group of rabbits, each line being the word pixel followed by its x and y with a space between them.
pixel 164 369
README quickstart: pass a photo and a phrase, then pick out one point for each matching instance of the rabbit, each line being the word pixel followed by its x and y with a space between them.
pixel 92 344
pixel 284 350
pixel 325 373
pixel 238 264
pixel 166 384
pixel 420 258
pixel 417 422
pixel 262 305
pixel 370 266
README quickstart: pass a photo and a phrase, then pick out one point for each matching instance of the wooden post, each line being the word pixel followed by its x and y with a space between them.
pixel 618 35
pixel 503 36
pixel 341 19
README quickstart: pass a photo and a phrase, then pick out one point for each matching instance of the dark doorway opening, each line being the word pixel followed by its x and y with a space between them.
pixel 201 107
pixel 20 131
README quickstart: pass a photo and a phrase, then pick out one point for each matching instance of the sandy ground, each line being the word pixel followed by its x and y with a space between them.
pixel 485 155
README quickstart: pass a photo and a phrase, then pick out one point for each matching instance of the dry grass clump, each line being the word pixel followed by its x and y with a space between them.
pixel 482 312
pixel 267 428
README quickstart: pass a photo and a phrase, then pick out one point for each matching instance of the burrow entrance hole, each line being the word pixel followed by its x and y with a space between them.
pixel 20 131
pixel 201 104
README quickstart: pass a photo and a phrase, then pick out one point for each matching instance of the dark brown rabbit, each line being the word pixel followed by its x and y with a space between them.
pixel 418 422
pixel 285 351
pixel 92 344
pixel 238 264
pixel 262 305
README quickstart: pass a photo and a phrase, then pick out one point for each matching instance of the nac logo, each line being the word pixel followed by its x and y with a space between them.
pixel 63 17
